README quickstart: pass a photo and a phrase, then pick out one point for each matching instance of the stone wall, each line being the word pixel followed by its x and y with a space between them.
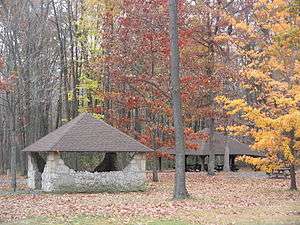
pixel 34 180
pixel 57 177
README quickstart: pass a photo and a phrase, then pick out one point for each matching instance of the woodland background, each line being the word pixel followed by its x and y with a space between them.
pixel 111 58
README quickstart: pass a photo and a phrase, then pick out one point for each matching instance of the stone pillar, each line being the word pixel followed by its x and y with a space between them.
pixel 139 160
pixel 52 175
pixel 137 164
pixel 34 180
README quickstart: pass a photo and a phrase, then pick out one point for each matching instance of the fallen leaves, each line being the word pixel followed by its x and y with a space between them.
pixel 222 194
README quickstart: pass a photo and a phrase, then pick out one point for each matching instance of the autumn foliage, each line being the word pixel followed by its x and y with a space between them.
pixel 134 66
pixel 269 113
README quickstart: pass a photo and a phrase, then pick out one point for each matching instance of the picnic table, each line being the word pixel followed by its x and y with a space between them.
pixel 193 168
pixel 234 168
pixel 283 172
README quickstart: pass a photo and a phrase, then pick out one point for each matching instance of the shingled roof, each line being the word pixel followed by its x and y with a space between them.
pixel 236 147
pixel 87 134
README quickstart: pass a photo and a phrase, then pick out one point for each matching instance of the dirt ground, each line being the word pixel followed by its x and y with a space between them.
pixel 232 198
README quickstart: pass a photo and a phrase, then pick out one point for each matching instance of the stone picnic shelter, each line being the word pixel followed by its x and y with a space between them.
pixel 86 134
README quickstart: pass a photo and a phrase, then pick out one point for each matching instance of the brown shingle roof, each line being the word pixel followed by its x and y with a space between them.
pixel 236 147
pixel 87 134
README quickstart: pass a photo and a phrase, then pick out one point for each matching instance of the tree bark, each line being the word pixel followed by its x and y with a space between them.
pixel 226 155
pixel 293 185
pixel 13 151
pixel 211 158
pixel 155 177
pixel 202 162
pixel 180 191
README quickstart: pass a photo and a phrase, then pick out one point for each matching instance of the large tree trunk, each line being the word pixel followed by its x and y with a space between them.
pixel 13 149
pixel 155 177
pixel 292 137
pixel 180 191
pixel 293 178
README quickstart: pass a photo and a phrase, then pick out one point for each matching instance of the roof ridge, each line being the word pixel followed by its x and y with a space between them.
pixel 65 132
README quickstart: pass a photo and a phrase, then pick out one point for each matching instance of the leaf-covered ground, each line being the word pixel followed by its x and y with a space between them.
pixel 234 198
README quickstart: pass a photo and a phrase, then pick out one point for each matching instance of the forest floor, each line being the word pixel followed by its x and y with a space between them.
pixel 232 198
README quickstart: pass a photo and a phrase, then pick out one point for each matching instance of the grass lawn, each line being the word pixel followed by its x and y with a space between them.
pixel 223 199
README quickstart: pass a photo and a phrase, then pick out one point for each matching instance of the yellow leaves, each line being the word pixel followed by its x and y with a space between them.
pixel 221 99
pixel 98 116
pixel 235 106
pixel 282 102
pixel 275 64
pixel 280 27
pixel 239 130
pixel 288 121
pixel 257 75
pixel 242 26
pixel 264 164
pixel 231 106
pixel 256 116
pixel 272 80
pixel 222 38
pixel 280 3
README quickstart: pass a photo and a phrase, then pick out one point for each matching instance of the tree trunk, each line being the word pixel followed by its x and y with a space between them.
pixel 293 178
pixel 155 177
pixel 226 156
pixel 13 152
pixel 180 191
pixel 13 163
pixel 202 162
pixel 211 158
pixel 292 143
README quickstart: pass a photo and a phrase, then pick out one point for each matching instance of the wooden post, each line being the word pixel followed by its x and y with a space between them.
pixel 185 158
pixel 232 165
pixel 202 161
pixel 159 164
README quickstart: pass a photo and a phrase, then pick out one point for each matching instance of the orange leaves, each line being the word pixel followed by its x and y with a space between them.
pixel 145 139
pixel 159 154
pixel 195 85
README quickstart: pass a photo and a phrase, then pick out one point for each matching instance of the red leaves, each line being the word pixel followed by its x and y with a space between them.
pixel 132 102
pixel 145 139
